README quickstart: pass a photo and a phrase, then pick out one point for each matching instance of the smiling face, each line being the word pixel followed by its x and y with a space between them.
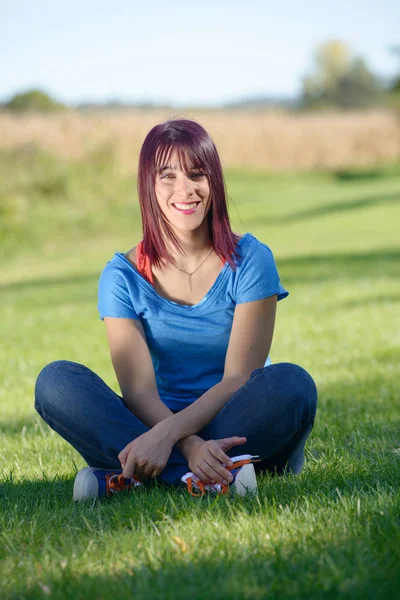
pixel 183 196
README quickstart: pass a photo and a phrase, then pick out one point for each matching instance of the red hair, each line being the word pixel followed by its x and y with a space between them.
pixel 194 146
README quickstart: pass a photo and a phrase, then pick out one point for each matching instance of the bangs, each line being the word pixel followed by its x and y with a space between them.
pixel 188 157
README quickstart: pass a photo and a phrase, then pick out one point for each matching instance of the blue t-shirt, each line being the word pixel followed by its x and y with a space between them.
pixel 188 344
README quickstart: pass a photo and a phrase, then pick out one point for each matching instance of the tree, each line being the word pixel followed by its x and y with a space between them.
pixel 34 100
pixel 395 87
pixel 340 80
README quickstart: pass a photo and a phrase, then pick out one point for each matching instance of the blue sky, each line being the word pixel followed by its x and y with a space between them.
pixel 183 52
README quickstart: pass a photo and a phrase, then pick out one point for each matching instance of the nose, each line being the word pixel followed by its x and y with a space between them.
pixel 185 187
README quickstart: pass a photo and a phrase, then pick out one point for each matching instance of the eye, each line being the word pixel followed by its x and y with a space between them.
pixel 198 174
pixel 168 175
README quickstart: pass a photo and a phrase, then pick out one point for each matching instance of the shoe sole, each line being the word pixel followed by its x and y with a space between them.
pixel 246 481
pixel 86 486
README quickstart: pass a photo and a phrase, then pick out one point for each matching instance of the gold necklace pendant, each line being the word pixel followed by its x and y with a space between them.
pixel 190 274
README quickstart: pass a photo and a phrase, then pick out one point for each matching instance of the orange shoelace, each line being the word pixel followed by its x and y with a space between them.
pixel 224 487
pixel 117 483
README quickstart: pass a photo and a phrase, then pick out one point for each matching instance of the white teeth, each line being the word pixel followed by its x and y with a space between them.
pixel 186 206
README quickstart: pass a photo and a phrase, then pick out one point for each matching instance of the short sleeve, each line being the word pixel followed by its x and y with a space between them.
pixel 113 295
pixel 257 274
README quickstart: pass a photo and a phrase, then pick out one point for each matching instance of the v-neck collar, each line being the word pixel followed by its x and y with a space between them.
pixel 151 291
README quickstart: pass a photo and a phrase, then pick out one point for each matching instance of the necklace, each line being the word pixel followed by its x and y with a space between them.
pixel 193 272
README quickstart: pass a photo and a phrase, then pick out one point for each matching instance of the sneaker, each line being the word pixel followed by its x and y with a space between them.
pixel 97 483
pixel 244 478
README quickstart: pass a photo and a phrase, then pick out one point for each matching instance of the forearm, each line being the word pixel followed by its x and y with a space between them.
pixel 151 410
pixel 196 416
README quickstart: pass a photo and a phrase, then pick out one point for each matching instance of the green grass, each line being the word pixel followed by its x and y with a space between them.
pixel 333 531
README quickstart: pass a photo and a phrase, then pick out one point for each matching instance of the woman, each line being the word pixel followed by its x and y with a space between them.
pixel 189 314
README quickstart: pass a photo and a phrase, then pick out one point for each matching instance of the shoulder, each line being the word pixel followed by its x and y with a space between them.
pixel 252 250
pixel 131 255
pixel 115 270
pixel 122 262
pixel 256 275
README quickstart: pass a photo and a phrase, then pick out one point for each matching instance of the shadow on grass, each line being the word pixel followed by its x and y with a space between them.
pixel 298 269
pixel 44 282
pixel 352 447
pixel 341 568
pixel 324 560
pixel 323 210
pixel 335 470
pixel 318 558
pixel 328 267
pixel 366 403
pixel 376 300
pixel 358 175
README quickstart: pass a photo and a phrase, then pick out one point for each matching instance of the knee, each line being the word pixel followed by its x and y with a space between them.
pixel 304 390
pixel 49 384
pixel 298 386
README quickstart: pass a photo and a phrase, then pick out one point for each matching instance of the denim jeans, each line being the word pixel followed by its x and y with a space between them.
pixel 275 410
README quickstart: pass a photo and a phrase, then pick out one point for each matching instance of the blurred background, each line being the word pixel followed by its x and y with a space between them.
pixel 281 88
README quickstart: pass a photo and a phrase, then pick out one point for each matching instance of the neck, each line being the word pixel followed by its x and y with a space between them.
pixel 196 245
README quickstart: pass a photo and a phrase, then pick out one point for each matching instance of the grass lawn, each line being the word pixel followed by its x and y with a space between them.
pixel 333 531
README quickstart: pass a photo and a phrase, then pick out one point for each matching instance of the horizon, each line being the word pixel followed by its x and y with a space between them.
pixel 104 57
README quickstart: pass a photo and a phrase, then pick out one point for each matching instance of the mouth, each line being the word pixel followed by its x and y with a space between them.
pixel 186 207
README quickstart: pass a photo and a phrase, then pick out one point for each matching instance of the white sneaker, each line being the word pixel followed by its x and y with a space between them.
pixel 96 483
pixel 244 478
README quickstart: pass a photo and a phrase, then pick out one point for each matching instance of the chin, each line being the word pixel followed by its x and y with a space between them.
pixel 188 228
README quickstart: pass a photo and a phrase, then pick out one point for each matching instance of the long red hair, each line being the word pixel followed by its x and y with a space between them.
pixel 195 148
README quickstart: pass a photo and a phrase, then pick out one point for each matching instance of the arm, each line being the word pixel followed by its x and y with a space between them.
pixel 249 344
pixel 135 373
pixel 133 367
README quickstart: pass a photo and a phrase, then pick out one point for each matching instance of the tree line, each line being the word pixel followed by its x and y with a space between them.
pixel 338 80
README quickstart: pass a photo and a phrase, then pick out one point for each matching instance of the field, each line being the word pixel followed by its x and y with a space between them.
pixel 258 139
pixel 333 531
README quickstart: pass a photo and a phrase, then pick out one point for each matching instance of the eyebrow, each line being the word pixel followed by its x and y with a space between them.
pixel 166 167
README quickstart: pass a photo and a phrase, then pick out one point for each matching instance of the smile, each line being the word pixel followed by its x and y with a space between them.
pixel 186 208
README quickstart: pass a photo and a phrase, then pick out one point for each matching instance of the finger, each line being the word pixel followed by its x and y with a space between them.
pixel 202 475
pixel 144 470
pixel 139 472
pixel 228 443
pixel 129 467
pixel 148 471
pixel 218 472
pixel 122 457
pixel 125 452
pixel 122 461
pixel 220 455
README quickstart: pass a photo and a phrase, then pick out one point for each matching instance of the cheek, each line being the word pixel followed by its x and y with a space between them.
pixel 162 194
pixel 207 194
pixel 204 191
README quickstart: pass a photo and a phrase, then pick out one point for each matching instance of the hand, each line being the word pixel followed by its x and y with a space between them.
pixel 147 455
pixel 207 459
pixel 185 445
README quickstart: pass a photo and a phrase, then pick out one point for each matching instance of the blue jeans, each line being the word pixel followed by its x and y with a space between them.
pixel 275 410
